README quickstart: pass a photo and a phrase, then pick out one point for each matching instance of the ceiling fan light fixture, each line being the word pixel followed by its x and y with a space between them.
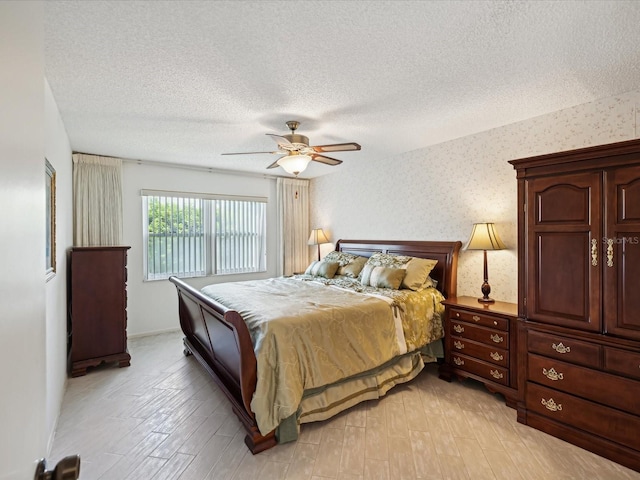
pixel 294 164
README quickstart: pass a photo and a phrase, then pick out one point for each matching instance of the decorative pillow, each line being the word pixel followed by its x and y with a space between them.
pixel 382 277
pixel 353 268
pixel 343 258
pixel 430 282
pixel 322 269
pixel 379 259
pixel 418 269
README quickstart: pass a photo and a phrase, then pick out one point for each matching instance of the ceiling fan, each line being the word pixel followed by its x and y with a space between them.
pixel 297 153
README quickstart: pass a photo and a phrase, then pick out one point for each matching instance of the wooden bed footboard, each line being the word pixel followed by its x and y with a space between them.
pixel 219 338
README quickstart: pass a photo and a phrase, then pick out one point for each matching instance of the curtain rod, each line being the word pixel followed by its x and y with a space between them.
pixel 156 163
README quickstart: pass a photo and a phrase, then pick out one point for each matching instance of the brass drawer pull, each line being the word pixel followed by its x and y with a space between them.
pixel 551 405
pixel 476 318
pixel 560 348
pixel 458 361
pixel 496 374
pixel 594 252
pixel 497 338
pixel 458 328
pixel 551 374
pixel 459 345
pixel 496 356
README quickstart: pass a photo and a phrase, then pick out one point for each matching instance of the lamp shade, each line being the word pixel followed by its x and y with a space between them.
pixel 317 237
pixel 484 237
pixel 294 164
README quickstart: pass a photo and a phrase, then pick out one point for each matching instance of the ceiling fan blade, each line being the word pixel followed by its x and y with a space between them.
pixel 325 160
pixel 280 140
pixel 337 147
pixel 275 164
pixel 248 153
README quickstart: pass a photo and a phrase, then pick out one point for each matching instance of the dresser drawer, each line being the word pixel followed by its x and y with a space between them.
pixel 480 319
pixel 594 418
pixel 567 349
pixel 480 351
pixel 622 361
pixel 483 369
pixel 495 338
pixel 601 387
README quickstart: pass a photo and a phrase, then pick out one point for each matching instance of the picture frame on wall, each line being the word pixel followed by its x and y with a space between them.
pixel 50 249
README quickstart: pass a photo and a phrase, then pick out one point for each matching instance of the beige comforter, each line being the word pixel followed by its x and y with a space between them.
pixel 307 335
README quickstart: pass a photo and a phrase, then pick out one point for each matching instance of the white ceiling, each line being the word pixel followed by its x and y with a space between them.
pixel 185 81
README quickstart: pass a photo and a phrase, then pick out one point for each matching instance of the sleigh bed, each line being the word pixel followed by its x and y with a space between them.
pixel 219 324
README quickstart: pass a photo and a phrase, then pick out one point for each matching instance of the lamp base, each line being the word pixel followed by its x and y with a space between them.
pixel 486 300
pixel 486 290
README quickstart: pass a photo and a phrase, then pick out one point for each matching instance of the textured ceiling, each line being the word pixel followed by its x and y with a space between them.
pixel 186 81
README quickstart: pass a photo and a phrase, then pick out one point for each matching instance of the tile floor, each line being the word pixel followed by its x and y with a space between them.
pixel 163 418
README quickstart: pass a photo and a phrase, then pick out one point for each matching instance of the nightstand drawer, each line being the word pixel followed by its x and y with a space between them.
pixel 483 369
pixel 496 338
pixel 563 348
pixel 480 319
pixel 480 351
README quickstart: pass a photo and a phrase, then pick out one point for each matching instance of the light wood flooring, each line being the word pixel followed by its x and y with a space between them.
pixel 163 418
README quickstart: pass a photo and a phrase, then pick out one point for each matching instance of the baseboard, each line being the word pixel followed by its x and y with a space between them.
pixel 155 332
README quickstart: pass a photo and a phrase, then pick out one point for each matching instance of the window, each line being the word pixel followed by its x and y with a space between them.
pixel 194 235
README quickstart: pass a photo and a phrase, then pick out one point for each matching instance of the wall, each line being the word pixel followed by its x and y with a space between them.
pixel 438 192
pixel 58 152
pixel 22 248
pixel 153 306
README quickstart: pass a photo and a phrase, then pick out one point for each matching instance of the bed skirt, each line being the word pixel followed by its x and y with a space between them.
pixel 325 402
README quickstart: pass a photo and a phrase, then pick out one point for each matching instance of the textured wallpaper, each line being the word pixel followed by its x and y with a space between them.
pixel 438 192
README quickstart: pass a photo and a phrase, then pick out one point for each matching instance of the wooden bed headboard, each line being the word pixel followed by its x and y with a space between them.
pixel 446 253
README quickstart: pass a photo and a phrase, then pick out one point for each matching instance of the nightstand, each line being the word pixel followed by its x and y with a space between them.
pixel 481 343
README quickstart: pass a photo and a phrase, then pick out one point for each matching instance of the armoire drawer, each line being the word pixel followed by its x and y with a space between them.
pixel 591 417
pixel 622 361
pixel 481 351
pixel 488 336
pixel 480 319
pixel 618 392
pixel 486 370
pixel 566 349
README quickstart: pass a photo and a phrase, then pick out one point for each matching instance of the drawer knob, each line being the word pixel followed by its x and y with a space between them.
pixel 457 314
pixel 458 328
pixel 459 345
pixel 551 374
pixel 495 323
pixel 496 356
pixel 496 374
pixel 551 405
pixel 560 348
pixel 476 318
pixel 497 338
pixel 458 361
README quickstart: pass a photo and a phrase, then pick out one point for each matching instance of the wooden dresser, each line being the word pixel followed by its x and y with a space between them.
pixel 480 343
pixel 579 301
pixel 98 307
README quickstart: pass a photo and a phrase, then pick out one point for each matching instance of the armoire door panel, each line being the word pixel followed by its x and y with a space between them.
pixel 563 203
pixel 563 269
pixel 562 280
pixel 622 239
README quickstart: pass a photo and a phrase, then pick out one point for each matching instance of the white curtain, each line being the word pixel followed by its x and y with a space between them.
pixel 293 225
pixel 97 200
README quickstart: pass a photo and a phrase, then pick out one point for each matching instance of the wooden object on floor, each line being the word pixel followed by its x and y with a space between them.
pixel 219 339
pixel 98 308
pixel 481 343
pixel 579 271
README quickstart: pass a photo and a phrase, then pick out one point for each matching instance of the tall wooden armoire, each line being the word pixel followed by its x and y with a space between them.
pixel 579 297
pixel 98 307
